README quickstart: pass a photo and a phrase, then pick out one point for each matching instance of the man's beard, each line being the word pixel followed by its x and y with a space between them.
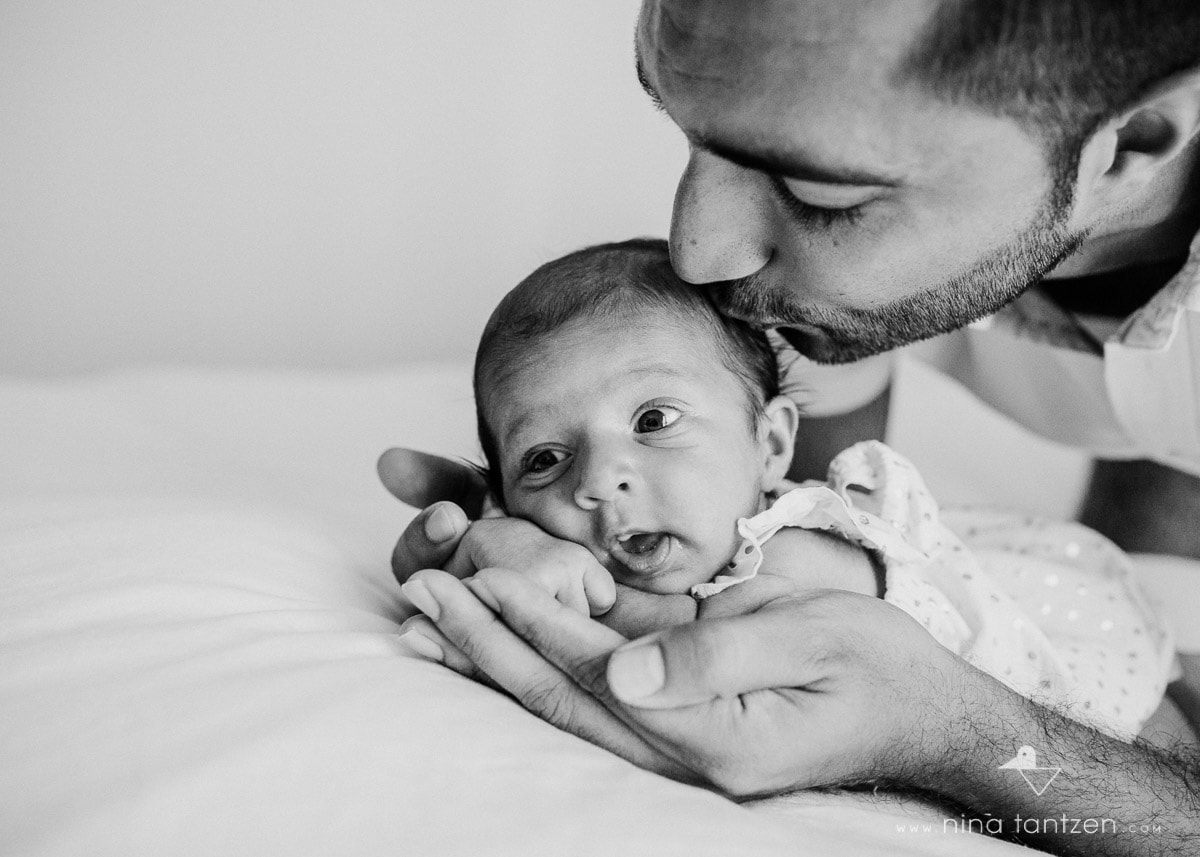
pixel 846 334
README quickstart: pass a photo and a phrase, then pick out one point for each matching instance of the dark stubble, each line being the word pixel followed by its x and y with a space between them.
pixel 843 335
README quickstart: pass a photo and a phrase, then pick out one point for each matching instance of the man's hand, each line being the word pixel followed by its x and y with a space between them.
pixel 421 479
pixel 819 688
pixel 445 491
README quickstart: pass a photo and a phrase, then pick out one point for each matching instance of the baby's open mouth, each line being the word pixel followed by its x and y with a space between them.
pixel 642 542
pixel 642 553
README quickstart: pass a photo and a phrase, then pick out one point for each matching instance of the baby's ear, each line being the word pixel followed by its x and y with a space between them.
pixel 778 432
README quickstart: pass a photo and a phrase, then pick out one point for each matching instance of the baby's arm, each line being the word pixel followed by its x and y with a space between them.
pixel 797 560
pixel 812 559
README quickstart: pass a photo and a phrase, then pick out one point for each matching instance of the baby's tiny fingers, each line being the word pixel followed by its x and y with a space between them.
pixel 565 585
pixel 600 589
pixel 574 597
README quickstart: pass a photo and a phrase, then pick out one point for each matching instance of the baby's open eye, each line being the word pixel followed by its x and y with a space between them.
pixel 542 460
pixel 655 419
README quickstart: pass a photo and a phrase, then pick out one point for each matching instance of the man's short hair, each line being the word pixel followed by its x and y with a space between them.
pixel 1059 67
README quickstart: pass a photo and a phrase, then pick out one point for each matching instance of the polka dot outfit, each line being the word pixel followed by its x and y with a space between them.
pixel 1049 608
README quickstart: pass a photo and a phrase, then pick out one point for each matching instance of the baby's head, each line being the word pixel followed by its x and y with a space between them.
pixel 619 410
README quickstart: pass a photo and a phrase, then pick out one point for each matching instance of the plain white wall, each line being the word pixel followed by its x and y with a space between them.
pixel 305 183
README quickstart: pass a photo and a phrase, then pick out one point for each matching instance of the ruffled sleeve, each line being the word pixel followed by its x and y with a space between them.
pixel 982 602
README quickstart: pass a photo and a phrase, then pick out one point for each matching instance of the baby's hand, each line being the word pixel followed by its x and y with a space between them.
pixel 573 576
pixel 566 570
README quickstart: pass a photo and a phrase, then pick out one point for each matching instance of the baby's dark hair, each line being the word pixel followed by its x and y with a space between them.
pixel 607 283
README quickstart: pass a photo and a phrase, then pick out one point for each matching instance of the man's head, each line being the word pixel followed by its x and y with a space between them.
pixel 873 172
pixel 619 410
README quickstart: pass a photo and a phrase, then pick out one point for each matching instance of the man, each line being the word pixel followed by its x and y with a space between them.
pixel 866 174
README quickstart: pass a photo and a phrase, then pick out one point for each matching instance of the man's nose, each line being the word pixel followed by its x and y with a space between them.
pixel 604 474
pixel 720 228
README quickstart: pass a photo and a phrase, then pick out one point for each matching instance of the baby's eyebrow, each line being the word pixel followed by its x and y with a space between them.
pixel 514 428
pixel 669 369
pixel 662 369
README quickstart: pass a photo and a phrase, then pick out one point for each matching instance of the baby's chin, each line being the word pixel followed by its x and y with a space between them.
pixel 672 583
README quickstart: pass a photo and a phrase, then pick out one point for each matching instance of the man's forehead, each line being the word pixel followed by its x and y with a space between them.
pixel 773 74
pixel 713 39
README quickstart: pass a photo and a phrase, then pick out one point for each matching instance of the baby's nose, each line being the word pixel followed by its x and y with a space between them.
pixel 604 475
pixel 592 493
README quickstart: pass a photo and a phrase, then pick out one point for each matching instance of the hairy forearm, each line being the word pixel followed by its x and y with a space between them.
pixel 1109 798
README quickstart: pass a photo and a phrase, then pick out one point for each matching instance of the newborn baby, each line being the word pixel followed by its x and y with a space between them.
pixel 620 411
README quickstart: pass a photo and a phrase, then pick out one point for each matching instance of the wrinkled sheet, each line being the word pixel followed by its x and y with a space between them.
pixel 198 651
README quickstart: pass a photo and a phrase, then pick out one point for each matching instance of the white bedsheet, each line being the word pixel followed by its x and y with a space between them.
pixel 198 652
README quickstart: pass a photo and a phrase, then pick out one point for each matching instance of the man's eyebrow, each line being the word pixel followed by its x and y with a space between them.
pixel 787 165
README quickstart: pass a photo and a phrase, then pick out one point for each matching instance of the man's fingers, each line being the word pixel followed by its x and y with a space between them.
pixel 421 479
pixel 512 664
pixel 429 540
pixel 423 638
pixel 786 644
pixel 579 647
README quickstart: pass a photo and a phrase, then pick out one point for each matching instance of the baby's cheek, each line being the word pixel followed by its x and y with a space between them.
pixel 554 514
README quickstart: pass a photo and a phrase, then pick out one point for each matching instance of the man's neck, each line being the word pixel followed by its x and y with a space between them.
pixel 1131 248
pixel 1113 295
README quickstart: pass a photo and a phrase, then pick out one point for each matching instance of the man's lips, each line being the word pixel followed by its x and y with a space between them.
pixel 809 339
pixel 641 552
pixel 812 342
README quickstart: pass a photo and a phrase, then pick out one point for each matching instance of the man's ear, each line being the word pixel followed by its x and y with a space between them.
pixel 778 431
pixel 1128 152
